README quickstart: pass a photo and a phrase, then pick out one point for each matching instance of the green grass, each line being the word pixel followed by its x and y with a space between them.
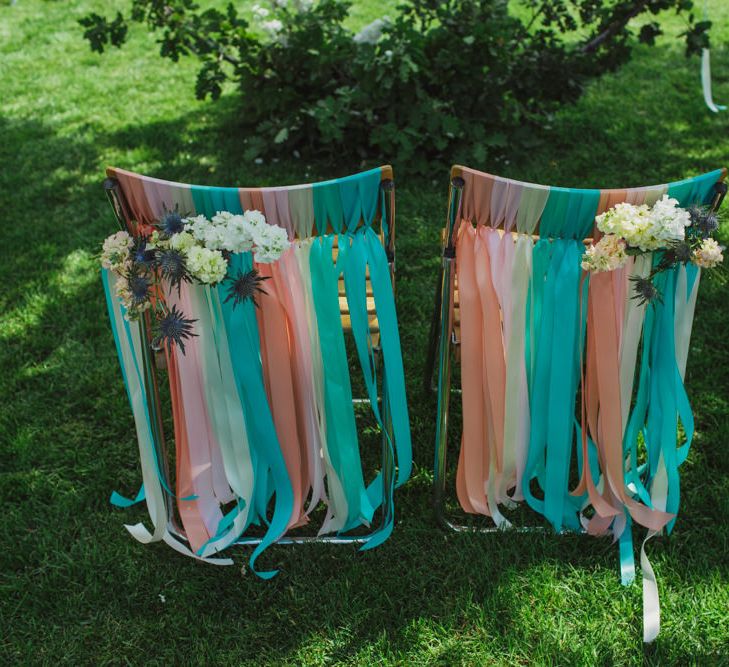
pixel 75 588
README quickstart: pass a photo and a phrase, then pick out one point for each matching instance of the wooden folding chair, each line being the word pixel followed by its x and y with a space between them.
pixel 479 189
pixel 540 335
pixel 341 208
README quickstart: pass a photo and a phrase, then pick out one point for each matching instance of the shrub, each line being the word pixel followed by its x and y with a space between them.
pixel 453 78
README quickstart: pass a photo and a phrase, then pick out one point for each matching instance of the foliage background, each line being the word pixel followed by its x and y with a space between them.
pixel 75 588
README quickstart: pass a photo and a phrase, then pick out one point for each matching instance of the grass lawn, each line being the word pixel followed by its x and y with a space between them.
pixel 76 588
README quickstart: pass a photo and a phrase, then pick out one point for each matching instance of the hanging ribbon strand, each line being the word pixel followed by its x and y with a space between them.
pixel 706 74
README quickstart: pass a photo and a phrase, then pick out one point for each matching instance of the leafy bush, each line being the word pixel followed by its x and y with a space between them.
pixel 455 78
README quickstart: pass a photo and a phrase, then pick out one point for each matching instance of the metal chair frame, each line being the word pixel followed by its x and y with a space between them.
pixel 442 342
pixel 151 368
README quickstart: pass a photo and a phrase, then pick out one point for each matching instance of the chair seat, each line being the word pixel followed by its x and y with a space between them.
pixel 344 306
pixel 371 314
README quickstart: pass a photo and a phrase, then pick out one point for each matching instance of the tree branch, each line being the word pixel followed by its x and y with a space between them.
pixel 614 27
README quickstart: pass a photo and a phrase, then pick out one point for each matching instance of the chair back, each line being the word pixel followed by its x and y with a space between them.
pixel 572 389
pixel 262 406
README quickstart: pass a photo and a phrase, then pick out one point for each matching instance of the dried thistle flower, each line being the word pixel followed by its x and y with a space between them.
pixel 704 221
pixel 172 267
pixel 645 292
pixel 174 328
pixel 171 223
pixel 245 286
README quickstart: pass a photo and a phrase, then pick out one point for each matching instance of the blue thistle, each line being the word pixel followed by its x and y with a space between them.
pixel 139 286
pixel 645 291
pixel 681 251
pixel 244 286
pixel 704 221
pixel 172 267
pixel 175 328
pixel 140 254
pixel 171 223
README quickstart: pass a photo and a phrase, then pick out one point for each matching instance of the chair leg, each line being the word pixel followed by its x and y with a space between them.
pixel 151 391
pixel 444 384
pixel 433 339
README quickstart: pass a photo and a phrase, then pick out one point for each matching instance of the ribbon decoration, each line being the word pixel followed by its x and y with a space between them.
pixel 261 400
pixel 538 337
pixel 706 75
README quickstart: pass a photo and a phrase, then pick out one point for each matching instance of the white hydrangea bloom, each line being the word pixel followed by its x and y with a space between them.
pixel 271 241
pixel 115 251
pixel 182 241
pixel 260 12
pixel 643 227
pixel 255 218
pixel 198 226
pixel 669 221
pixel 607 254
pixel 237 236
pixel 206 265
pixel 708 254
pixel 222 217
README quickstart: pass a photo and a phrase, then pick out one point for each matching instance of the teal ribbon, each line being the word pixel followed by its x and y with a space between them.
pixel 271 476
pixel 116 498
pixel 245 352
pixel 366 250
pixel 341 426
pixel 554 384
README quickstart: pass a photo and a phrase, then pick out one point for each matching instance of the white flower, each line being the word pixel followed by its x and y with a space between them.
pixel 272 27
pixel 260 12
pixel 221 217
pixel 182 241
pixel 156 241
pixel 254 218
pixel 372 32
pixel 708 254
pixel 237 236
pixel 643 227
pixel 607 255
pixel 271 241
pixel 115 251
pixel 280 4
pixel 669 221
pixel 303 5
pixel 207 266
pixel 198 226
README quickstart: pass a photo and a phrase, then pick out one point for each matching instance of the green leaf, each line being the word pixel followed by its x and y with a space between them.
pixel 281 135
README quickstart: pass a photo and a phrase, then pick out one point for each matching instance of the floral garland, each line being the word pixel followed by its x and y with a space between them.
pixel 186 249
pixel 682 235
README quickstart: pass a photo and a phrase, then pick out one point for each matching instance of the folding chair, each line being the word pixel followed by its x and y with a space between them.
pixel 261 400
pixel 527 326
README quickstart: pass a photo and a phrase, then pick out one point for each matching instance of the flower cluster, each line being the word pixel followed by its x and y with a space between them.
pixel 644 227
pixel 182 249
pixel 115 252
pixel 680 235
pixel 708 254
pixel 240 233
pixel 607 255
